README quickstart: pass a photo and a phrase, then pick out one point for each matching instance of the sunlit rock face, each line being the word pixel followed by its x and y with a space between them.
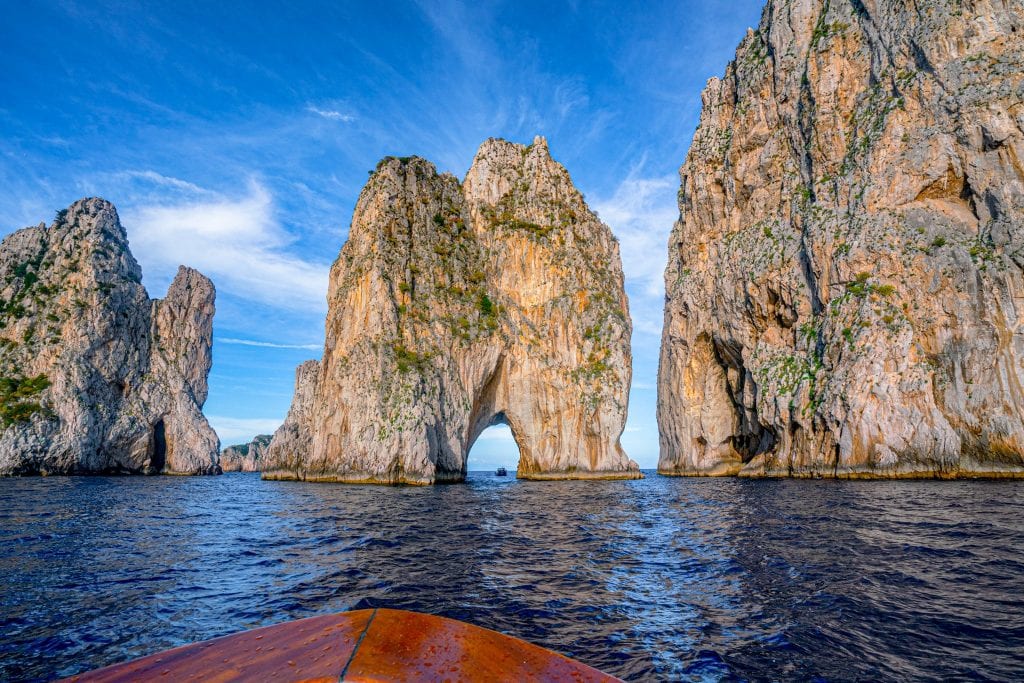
pixel 454 306
pixel 95 376
pixel 245 457
pixel 844 286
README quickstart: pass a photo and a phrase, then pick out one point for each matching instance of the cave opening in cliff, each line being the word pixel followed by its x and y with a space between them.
pixel 495 448
pixel 750 438
pixel 158 456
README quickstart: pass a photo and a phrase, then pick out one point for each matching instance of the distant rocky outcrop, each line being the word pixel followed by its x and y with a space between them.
pixel 453 307
pixel 845 289
pixel 245 457
pixel 95 376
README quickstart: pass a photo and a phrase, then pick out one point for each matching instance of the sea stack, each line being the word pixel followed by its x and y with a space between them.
pixel 97 377
pixel 844 286
pixel 245 457
pixel 455 306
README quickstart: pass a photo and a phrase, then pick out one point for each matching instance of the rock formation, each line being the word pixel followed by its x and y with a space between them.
pixel 292 443
pixel 245 457
pixel 453 307
pixel 95 376
pixel 845 276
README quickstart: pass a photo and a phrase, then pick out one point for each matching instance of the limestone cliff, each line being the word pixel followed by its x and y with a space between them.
pixel 453 307
pixel 95 376
pixel 292 443
pixel 245 457
pixel 844 288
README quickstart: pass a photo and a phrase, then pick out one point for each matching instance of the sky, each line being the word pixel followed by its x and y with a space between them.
pixel 235 138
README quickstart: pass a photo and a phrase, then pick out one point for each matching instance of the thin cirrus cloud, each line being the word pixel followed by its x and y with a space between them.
pixel 332 114
pixel 268 345
pixel 236 242
pixel 162 181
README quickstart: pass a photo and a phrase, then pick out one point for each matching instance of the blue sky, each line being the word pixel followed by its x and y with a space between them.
pixel 235 138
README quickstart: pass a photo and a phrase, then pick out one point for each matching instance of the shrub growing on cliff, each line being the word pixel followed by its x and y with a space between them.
pixel 486 306
pixel 408 359
pixel 15 393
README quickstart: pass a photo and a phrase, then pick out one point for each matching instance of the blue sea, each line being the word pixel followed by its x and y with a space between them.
pixel 659 579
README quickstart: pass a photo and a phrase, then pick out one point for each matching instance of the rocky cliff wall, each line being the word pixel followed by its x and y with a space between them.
pixel 245 457
pixel 454 306
pixel 844 287
pixel 96 377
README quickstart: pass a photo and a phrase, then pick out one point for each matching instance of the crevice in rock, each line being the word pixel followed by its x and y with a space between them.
pixel 882 59
pixel 779 311
pixel 968 196
pixel 921 60
pixel 991 203
pixel 810 279
pixel 158 448
pixel 989 143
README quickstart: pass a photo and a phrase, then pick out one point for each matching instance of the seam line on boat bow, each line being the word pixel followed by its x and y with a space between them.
pixel 341 678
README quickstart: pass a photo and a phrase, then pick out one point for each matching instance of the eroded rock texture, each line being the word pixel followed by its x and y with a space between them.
pixel 453 307
pixel 844 284
pixel 245 457
pixel 95 376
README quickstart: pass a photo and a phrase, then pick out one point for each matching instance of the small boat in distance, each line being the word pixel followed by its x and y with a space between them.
pixel 502 472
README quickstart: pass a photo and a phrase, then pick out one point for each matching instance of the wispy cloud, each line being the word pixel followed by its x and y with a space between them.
pixel 232 430
pixel 641 212
pixel 166 181
pixel 236 242
pixel 332 114
pixel 268 345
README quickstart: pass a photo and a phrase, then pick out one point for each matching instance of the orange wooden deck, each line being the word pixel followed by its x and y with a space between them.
pixel 365 645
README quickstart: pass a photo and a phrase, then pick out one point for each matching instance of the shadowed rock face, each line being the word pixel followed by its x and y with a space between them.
pixel 844 283
pixel 453 307
pixel 245 457
pixel 97 377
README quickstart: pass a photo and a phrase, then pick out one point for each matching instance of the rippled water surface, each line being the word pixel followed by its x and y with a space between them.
pixel 660 579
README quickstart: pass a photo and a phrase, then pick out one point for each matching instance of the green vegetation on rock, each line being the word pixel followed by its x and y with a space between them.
pixel 15 395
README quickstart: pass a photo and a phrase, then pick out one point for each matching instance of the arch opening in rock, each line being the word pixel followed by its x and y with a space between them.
pixel 458 305
pixel 495 446
pixel 158 448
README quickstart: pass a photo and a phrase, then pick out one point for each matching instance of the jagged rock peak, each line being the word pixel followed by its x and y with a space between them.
pixel 245 457
pixel 95 376
pixel 456 306
pixel 843 285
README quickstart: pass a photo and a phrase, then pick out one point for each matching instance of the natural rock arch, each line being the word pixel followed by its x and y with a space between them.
pixel 452 303
pixel 493 407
